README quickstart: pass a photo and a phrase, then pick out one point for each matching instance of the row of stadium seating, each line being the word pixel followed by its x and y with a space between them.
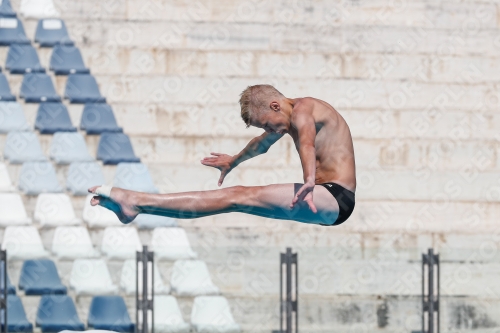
pixel 49 32
pixel 54 117
pixel 65 60
pixel 38 88
pixel 73 242
pixel 30 8
pixel 92 277
pixel 57 312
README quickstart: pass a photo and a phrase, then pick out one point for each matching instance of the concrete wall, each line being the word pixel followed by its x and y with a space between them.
pixel 417 82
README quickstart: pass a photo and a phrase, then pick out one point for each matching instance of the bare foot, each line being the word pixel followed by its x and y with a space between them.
pixel 120 202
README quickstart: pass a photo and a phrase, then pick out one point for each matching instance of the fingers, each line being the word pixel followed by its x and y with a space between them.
pixel 95 201
pixel 92 189
pixel 216 154
pixel 312 206
pixel 221 178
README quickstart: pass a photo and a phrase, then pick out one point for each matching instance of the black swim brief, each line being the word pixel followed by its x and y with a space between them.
pixel 345 199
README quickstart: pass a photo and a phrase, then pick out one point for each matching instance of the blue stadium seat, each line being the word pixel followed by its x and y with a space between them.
pixel 69 147
pixel 11 289
pixel 23 147
pixel 109 313
pixel 82 175
pixel 40 277
pixel 37 88
pixel 16 316
pixel 12 118
pixel 12 31
pixel 53 117
pixel 67 60
pixel 22 58
pixel 38 177
pixel 115 148
pixel 56 313
pixel 50 32
pixel 83 88
pixel 6 9
pixel 98 118
pixel 5 94
pixel 134 177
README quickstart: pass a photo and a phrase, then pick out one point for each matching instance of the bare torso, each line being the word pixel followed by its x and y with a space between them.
pixel 333 143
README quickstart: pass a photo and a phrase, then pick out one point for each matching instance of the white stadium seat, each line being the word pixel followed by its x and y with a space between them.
pixel 73 243
pixel 168 316
pixel 213 314
pixel 38 9
pixel 120 242
pixel 191 278
pixel 55 209
pixel 91 277
pixel 12 210
pixel 127 279
pixel 97 216
pixel 171 244
pixel 23 243
pixel 5 181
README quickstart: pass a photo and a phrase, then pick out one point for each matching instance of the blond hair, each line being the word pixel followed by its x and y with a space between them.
pixel 256 99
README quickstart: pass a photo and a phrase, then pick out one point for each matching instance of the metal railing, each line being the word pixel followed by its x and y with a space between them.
pixel 143 302
pixel 430 292
pixel 289 304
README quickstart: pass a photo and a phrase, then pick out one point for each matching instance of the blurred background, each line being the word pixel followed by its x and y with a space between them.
pixel 417 82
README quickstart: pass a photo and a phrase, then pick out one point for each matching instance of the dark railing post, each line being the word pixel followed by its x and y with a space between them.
pixel 289 305
pixel 143 303
pixel 5 291
pixel 430 292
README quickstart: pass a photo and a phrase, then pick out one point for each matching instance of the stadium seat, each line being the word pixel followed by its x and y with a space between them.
pixel 171 244
pixel 83 88
pixel 67 147
pixel 16 316
pixel 40 277
pixel 98 118
pixel 38 9
pixel 120 242
pixel 127 279
pixel 11 289
pixel 23 243
pixel 55 209
pixel 148 221
pixel 38 88
pixel 170 319
pixel 213 314
pixel 5 181
pixel 52 32
pixel 83 175
pixel 115 148
pixel 135 177
pixel 5 93
pixel 12 31
pixel 67 60
pixel 12 210
pixel 6 9
pixel 73 243
pixel 98 216
pixel 52 118
pixel 91 277
pixel 56 313
pixel 22 58
pixel 109 313
pixel 191 278
pixel 12 118
pixel 23 147
pixel 38 177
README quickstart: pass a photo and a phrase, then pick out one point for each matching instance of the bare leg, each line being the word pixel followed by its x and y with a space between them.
pixel 271 201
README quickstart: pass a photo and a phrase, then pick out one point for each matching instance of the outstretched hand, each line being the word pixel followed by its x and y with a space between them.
pixel 222 162
pixel 305 193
